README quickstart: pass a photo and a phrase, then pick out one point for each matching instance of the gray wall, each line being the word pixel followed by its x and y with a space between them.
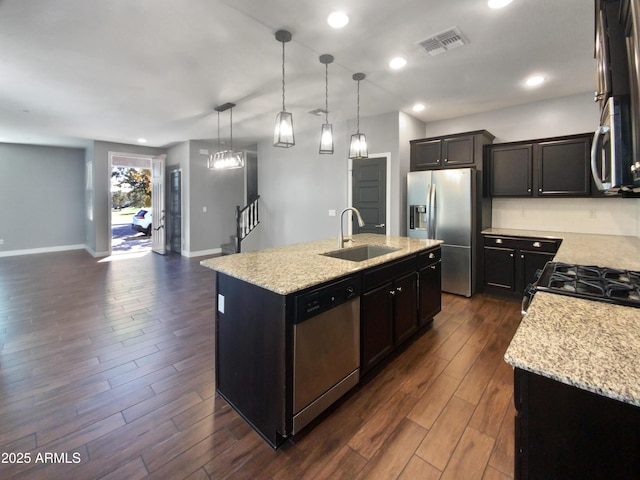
pixel 41 197
pixel 298 186
pixel 218 191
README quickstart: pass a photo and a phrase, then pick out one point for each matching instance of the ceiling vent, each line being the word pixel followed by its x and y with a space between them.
pixel 443 41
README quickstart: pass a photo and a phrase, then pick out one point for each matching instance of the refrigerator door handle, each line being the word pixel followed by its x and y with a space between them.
pixel 431 206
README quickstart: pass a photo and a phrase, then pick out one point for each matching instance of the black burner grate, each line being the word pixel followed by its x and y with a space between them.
pixel 591 282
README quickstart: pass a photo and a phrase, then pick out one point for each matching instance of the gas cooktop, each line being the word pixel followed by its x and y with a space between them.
pixel 621 287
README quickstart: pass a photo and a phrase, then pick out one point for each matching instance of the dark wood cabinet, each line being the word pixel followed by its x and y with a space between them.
pixel 558 166
pixel 564 432
pixel 393 307
pixel 429 286
pixel 464 149
pixel 511 170
pixel 511 263
pixel 376 309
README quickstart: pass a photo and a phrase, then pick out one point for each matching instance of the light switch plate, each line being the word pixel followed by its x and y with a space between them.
pixel 221 303
pixel 332 213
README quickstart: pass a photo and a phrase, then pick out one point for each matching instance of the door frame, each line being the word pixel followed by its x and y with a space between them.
pixel 110 166
pixel 387 200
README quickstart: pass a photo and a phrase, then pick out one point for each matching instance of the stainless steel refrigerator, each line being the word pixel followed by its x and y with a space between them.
pixel 441 204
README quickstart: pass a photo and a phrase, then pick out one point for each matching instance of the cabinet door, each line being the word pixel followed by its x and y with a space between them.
pixel 405 307
pixel 377 326
pixel 564 168
pixel 430 294
pixel 531 263
pixel 425 155
pixel 511 171
pixel 499 268
pixel 457 151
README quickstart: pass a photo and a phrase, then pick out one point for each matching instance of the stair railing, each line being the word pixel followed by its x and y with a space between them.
pixel 247 218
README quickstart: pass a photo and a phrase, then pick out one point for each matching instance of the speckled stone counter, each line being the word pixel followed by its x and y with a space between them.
pixel 290 268
pixel 592 345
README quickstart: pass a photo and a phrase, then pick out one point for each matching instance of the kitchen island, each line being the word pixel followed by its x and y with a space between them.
pixel 577 372
pixel 297 327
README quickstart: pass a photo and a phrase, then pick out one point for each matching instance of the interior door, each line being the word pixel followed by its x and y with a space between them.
pixel 370 194
pixel 175 211
pixel 158 232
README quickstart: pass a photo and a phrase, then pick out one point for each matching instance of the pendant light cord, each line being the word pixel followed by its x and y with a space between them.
pixel 218 130
pixel 358 110
pixel 326 93
pixel 283 109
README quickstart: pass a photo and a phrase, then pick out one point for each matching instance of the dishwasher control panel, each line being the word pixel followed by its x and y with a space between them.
pixel 326 297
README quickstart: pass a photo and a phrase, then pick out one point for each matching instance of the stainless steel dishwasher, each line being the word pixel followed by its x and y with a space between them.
pixel 326 348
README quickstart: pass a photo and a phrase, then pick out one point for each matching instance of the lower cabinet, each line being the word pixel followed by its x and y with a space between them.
pixel 563 432
pixel 510 263
pixel 393 307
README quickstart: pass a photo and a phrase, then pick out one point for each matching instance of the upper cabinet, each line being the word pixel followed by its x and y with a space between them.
pixel 463 149
pixel 538 168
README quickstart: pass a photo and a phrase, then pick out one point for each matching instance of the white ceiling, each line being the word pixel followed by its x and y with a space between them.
pixel 117 70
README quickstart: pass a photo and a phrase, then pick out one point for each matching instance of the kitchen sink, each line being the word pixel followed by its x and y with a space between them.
pixel 360 253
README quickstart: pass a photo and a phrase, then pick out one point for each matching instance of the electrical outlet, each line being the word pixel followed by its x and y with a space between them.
pixel 204 209
pixel 1 241
pixel 332 213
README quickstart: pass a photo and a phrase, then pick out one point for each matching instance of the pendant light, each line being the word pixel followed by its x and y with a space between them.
pixel 326 134
pixel 358 145
pixel 226 159
pixel 283 134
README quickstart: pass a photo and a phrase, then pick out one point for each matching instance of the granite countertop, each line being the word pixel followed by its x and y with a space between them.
pixel 592 345
pixel 291 268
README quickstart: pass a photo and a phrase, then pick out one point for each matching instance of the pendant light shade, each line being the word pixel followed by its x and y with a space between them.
pixel 358 145
pixel 283 133
pixel 326 134
pixel 226 159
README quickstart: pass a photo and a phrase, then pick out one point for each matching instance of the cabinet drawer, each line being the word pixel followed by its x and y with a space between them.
pixel 429 258
pixel 530 244
pixel 379 275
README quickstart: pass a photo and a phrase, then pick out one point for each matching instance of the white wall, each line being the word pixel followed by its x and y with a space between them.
pixel 549 118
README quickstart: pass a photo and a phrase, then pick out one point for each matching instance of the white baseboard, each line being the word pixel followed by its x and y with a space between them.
pixel 32 251
pixel 95 254
pixel 201 253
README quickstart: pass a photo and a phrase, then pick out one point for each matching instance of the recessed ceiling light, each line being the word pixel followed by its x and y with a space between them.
pixel 534 81
pixel 418 107
pixel 142 140
pixel 498 3
pixel 397 63
pixel 338 19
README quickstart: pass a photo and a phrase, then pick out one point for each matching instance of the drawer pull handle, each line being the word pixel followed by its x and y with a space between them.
pixel 536 244
pixel 392 292
pixel 432 255
pixel 399 289
pixel 498 241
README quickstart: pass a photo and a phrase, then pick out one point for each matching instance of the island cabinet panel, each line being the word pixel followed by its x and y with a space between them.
pixel 389 310
pixel 564 432
pixel 511 263
pixel 458 150
pixel 429 286
pixel 376 326
pixel 558 166
pixel 251 354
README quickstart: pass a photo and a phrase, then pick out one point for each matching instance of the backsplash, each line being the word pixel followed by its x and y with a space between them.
pixel 611 216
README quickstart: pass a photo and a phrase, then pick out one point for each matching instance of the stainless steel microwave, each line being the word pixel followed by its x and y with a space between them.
pixel 612 149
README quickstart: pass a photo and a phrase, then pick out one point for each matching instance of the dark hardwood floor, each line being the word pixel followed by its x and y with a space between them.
pixel 107 371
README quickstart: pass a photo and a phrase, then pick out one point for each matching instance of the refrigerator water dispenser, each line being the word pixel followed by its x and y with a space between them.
pixel 418 217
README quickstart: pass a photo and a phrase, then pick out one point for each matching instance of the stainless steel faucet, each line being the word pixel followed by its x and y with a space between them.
pixel 360 222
